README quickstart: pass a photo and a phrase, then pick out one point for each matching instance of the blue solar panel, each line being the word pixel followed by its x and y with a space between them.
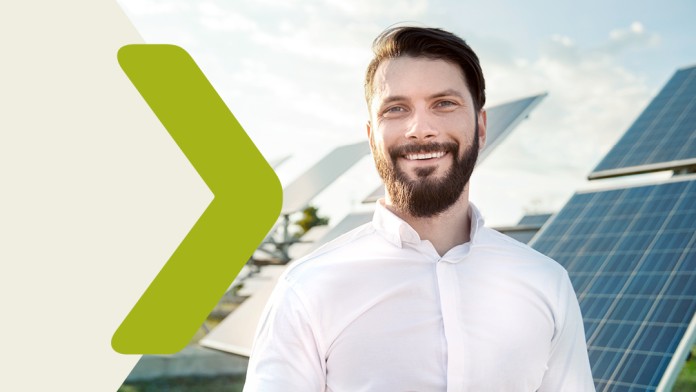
pixel 664 135
pixel 631 254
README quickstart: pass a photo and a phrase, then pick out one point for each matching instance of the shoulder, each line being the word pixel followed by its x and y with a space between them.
pixel 349 246
pixel 501 246
pixel 519 264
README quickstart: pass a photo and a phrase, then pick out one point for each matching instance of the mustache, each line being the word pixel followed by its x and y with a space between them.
pixel 423 148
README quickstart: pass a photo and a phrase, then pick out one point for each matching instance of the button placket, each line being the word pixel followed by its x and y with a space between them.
pixel 449 293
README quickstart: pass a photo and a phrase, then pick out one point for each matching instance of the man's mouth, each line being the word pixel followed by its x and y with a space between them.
pixel 423 152
pixel 427 155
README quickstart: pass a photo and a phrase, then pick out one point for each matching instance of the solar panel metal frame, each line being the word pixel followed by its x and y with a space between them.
pixel 676 102
pixel 496 131
pixel 679 355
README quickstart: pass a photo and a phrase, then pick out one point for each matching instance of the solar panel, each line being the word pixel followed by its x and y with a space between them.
pixel 321 174
pixel 526 228
pixel 664 135
pixel 502 119
pixel 631 254
pixel 235 334
pixel 534 220
pixel 302 190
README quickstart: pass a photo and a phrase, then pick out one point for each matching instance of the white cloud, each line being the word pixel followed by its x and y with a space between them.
pixel 562 39
pixel 635 29
pixel 634 36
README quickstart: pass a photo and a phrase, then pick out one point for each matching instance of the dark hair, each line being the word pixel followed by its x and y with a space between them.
pixel 430 43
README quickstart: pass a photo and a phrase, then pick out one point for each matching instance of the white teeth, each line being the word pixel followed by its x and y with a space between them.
pixel 429 155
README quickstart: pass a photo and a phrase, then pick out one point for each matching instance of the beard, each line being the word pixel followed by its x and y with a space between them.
pixel 427 196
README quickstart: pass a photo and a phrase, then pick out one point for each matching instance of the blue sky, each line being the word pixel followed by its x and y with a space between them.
pixel 291 71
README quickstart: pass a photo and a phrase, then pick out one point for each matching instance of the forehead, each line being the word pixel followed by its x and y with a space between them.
pixel 413 76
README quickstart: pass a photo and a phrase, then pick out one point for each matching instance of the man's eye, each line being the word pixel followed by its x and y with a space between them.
pixel 446 104
pixel 394 109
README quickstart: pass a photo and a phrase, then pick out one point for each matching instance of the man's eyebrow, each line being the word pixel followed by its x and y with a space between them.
pixel 447 93
pixel 401 98
pixel 393 98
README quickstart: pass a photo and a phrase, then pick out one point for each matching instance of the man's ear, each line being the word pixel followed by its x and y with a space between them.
pixel 368 127
pixel 482 124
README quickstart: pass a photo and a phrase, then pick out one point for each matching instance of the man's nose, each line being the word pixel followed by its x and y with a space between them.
pixel 422 126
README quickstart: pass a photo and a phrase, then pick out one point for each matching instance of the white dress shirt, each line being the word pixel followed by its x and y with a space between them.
pixel 379 310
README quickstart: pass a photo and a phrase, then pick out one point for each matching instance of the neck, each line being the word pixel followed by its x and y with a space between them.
pixel 445 230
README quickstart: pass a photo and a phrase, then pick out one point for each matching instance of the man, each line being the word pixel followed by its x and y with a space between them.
pixel 423 298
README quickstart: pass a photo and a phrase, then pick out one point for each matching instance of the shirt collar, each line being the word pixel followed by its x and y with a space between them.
pixel 397 231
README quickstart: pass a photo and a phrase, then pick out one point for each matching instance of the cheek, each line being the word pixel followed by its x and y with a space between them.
pixel 460 124
pixel 391 134
pixel 377 146
pixel 381 137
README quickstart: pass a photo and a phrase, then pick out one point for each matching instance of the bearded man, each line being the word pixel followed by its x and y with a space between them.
pixel 423 298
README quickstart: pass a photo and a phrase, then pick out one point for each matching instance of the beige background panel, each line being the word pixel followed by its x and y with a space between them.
pixel 95 195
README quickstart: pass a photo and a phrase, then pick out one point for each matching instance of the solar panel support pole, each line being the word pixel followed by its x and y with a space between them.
pixel 279 248
pixel 287 241
pixel 677 362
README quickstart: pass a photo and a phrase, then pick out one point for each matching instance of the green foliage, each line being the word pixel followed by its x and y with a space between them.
pixel 686 382
pixel 310 219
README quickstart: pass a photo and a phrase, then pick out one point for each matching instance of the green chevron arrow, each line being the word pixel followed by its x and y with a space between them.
pixel 246 204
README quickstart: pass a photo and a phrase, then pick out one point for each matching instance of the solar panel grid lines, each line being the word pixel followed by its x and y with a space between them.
pixel 675 144
pixel 631 254
pixel 668 333
pixel 663 137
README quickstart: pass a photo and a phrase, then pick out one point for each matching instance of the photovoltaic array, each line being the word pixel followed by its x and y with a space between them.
pixel 663 136
pixel 631 254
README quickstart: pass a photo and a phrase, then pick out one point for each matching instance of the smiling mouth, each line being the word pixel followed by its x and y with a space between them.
pixel 428 155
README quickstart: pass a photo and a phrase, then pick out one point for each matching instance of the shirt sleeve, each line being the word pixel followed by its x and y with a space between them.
pixel 285 355
pixel 569 365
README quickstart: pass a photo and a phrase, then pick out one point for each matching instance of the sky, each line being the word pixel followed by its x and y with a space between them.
pixel 292 72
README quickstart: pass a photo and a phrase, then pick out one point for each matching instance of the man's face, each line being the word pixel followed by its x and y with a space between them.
pixel 423 133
